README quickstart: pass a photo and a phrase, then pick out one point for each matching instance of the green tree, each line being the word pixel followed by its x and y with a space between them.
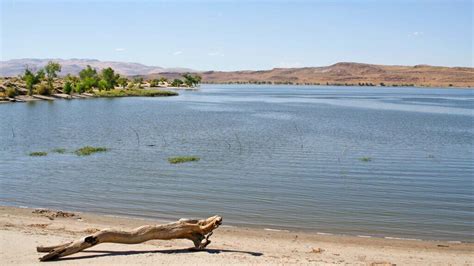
pixel 122 81
pixel 109 77
pixel 102 85
pixel 176 83
pixel 31 79
pixel 68 87
pixel 51 72
pixel 163 80
pixel 191 80
pixel 138 80
pixel 154 82
pixel 89 79
pixel 79 87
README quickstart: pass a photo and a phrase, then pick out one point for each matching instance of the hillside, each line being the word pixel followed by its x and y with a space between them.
pixel 16 67
pixel 352 74
pixel 337 74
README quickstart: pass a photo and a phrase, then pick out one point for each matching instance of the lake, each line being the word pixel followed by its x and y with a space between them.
pixel 385 162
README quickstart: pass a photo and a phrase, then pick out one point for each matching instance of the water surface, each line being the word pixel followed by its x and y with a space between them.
pixel 271 156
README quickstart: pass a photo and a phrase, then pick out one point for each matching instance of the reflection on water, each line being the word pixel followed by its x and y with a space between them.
pixel 273 156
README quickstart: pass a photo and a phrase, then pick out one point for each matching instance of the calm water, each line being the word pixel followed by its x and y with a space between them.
pixel 271 156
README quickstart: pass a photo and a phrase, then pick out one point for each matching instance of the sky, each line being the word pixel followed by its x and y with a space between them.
pixel 241 35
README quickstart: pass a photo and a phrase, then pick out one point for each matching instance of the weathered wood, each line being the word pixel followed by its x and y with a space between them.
pixel 197 231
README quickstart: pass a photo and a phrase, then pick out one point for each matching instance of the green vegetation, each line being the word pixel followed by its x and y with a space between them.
pixel 88 150
pixel 59 150
pixel 183 159
pixel 122 82
pixel 104 84
pixel 11 92
pixel 108 79
pixel 88 80
pixel 68 87
pixel 191 81
pixel 51 68
pixel 176 83
pixel 31 79
pixel 154 83
pixel 365 159
pixel 134 92
pixel 43 89
pixel 38 153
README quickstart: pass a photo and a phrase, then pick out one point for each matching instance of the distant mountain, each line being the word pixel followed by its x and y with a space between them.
pixel 352 74
pixel 345 73
pixel 15 67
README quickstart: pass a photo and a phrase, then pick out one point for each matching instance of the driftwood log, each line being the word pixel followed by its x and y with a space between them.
pixel 197 231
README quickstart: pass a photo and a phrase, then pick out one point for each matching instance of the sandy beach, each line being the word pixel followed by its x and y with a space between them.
pixel 22 229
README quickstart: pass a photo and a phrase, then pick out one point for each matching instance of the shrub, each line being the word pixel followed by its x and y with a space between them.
pixel 43 89
pixel 38 153
pixel 183 159
pixel 11 92
pixel 59 150
pixel 88 150
pixel 67 87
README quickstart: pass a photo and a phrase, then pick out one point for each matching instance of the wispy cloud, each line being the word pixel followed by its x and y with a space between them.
pixel 417 33
pixel 215 53
pixel 119 49
pixel 177 52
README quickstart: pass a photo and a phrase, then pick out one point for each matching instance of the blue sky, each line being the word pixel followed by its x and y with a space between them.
pixel 236 35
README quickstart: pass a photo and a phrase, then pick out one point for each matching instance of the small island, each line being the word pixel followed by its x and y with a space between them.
pixel 46 84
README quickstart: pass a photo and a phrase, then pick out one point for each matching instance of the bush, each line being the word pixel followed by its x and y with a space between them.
pixel 38 153
pixel 88 150
pixel 43 89
pixel 183 159
pixel 10 92
pixel 59 150
pixel 67 87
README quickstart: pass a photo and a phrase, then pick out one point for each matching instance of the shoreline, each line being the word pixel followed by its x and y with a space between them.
pixel 21 230
pixel 250 226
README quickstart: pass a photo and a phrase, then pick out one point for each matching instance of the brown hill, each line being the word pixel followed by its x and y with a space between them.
pixel 346 74
pixel 352 74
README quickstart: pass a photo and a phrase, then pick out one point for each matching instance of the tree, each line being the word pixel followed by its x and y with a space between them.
pixel 190 80
pixel 163 80
pixel 51 68
pixel 109 78
pixel 122 81
pixel 176 83
pixel 138 81
pixel 89 78
pixel 154 82
pixel 31 79
pixel 68 87
pixel 102 85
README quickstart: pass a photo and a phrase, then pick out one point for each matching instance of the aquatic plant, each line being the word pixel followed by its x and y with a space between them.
pixel 183 159
pixel 365 159
pixel 59 150
pixel 38 153
pixel 88 150
pixel 134 92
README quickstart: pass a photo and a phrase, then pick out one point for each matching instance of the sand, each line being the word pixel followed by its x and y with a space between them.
pixel 22 229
